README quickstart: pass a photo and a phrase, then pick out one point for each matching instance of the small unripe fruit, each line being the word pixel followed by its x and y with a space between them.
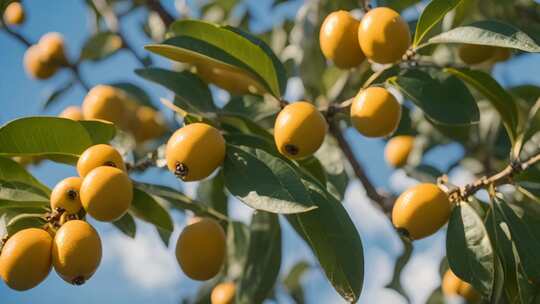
pixel 106 103
pixel 36 64
pixel 72 112
pixel 52 46
pixel 14 14
pixel 475 54
pixel 375 112
pixel 200 249
pixel 397 150
pixel 76 251
pixel 420 211
pixel 65 195
pixel 299 130
pixel 97 156
pixel 193 152
pixel 148 124
pixel 383 35
pixel 501 54
pixel 338 39
pixel 223 293
pixel 106 193
pixel 452 286
pixel 26 259
pixel 230 79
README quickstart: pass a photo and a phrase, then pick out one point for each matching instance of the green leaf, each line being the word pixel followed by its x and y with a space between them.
pixel 206 43
pixel 181 202
pixel 529 93
pixel 237 248
pixel 251 106
pixel 292 281
pixel 127 225
pixel 489 32
pixel 147 208
pixel 423 173
pixel 60 138
pixel 470 253
pixel 264 182
pixel 12 171
pixel 55 94
pixel 436 297
pixel 212 193
pixel 17 194
pixel 397 5
pixel 401 262
pixel 100 46
pixel 24 221
pixel 333 238
pixel 501 100
pixel 263 258
pixel 244 125
pixel 446 101
pixel 190 91
pixel 331 158
pixel 137 93
pixel 432 14
pixel 526 239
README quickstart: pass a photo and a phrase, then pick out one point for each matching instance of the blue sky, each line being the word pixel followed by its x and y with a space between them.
pixel 143 270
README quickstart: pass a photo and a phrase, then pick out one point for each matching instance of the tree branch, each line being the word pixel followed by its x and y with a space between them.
pixel 384 202
pixel 156 6
pixel 15 35
pixel 503 177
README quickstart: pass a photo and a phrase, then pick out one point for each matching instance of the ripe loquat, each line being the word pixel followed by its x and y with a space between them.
pixel 65 195
pixel 475 54
pixel 375 112
pixel 452 286
pixel 106 103
pixel 72 112
pixel 223 293
pixel 398 149
pixel 99 155
pixel 14 14
pixel 36 64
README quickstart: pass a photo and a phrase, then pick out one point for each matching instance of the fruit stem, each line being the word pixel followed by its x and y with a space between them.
pixel 156 6
pixel 501 178
pixel 15 35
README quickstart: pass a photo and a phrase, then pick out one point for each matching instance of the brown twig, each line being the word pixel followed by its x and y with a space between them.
pixel 503 177
pixel 384 202
pixel 15 35
pixel 156 6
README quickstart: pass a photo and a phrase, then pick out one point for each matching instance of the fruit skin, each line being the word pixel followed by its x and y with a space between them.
pixel 26 259
pixel 36 64
pixel 76 252
pixel 148 124
pixel 338 39
pixel 197 149
pixel 375 112
pixel 65 195
pixel 234 80
pixel 299 130
pixel 52 46
pixel 14 14
pixel 383 35
pixel 475 54
pixel 106 193
pixel 452 286
pixel 72 112
pixel 421 210
pixel 106 103
pixel 223 293
pixel 99 155
pixel 200 249
pixel 398 149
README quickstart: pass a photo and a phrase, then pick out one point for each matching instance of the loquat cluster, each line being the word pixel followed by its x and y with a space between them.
pixel 43 59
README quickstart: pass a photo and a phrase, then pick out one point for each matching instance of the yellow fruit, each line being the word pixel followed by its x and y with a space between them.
pixel 148 124
pixel 195 151
pixel 501 54
pixel 299 130
pixel 475 54
pixel 383 35
pixel 397 150
pixel 26 259
pixel 200 249
pixel 375 112
pixel 65 195
pixel 421 210
pixel 106 103
pixel 106 193
pixel 14 14
pixel 234 80
pixel 76 252
pixel 72 112
pixel 452 286
pixel 52 46
pixel 339 40
pixel 36 64
pixel 223 293
pixel 99 155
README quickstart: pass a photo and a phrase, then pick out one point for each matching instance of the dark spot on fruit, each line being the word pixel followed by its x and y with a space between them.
pixel 181 170
pixel 291 149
